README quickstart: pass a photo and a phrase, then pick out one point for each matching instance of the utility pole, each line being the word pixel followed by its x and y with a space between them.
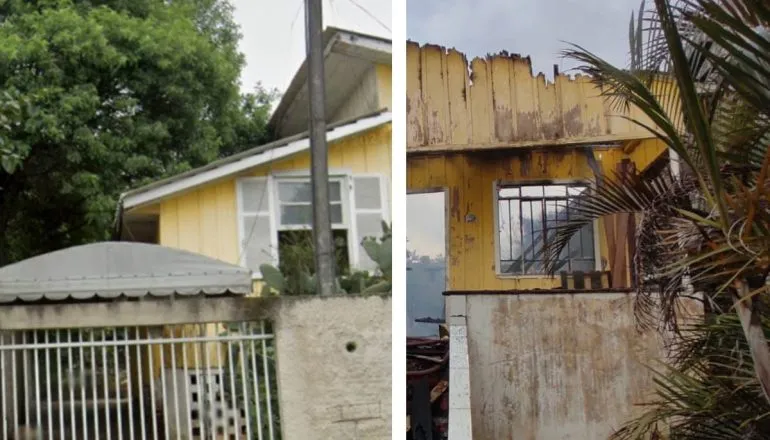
pixel 319 163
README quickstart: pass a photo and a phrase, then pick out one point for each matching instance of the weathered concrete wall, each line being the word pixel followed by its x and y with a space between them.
pixel 556 366
pixel 326 390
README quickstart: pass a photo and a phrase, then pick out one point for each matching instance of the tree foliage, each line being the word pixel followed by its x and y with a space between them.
pixel 700 72
pixel 120 93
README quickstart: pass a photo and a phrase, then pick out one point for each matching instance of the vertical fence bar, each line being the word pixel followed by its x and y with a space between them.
pixel 129 386
pixel 255 381
pixel 233 397
pixel 59 387
pixel 188 415
pixel 106 369
pixel 175 384
pixel 164 393
pixel 38 416
pixel 118 398
pixel 3 389
pixel 153 403
pixel 199 382
pixel 83 404
pixel 223 399
pixel 24 370
pixel 48 385
pixel 70 379
pixel 140 383
pixel 266 366
pixel 245 387
pixel 94 369
pixel 15 389
pixel 210 392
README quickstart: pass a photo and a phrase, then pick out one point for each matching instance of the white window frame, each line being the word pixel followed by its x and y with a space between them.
pixel 497 184
pixel 347 192
pixel 344 200
pixel 267 212
pixel 384 212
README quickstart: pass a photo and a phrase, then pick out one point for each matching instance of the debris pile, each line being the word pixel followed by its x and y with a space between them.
pixel 427 384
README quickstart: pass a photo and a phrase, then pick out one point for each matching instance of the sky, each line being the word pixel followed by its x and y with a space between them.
pixel 274 34
pixel 539 28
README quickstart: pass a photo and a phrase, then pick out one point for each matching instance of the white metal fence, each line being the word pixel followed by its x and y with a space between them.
pixel 198 381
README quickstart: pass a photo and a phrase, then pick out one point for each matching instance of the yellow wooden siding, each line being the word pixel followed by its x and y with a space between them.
pixel 500 103
pixel 648 150
pixel 205 220
pixel 469 179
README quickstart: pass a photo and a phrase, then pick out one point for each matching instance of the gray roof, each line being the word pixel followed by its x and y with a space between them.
pixel 347 56
pixel 114 269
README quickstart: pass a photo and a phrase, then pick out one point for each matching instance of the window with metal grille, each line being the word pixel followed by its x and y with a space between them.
pixel 529 213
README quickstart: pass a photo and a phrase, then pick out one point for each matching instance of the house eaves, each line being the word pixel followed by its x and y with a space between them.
pixel 347 55
pixel 245 160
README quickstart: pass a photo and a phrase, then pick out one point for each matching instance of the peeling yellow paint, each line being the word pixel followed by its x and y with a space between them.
pixel 501 104
pixel 469 179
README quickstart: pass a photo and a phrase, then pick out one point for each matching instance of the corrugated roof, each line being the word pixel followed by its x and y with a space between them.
pixel 115 269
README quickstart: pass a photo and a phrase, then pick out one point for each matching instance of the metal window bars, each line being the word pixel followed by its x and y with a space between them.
pixel 195 381
pixel 528 214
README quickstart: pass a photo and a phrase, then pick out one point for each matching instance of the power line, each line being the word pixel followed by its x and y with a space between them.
pixel 372 16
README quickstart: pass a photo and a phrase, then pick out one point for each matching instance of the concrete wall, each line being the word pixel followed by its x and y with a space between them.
pixel 555 366
pixel 327 391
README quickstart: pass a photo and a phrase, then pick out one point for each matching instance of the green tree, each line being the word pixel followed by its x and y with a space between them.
pixel 700 70
pixel 123 92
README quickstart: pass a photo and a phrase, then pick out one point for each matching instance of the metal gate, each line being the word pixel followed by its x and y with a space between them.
pixel 197 381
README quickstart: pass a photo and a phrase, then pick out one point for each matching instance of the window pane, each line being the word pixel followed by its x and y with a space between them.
pixel 537 232
pixel 508 192
pixel 295 215
pixel 532 191
pixel 526 228
pixel 555 190
pixel 367 225
pixel 504 224
pixel 256 241
pixel 526 214
pixel 587 238
pixel 294 192
pixel 367 190
pixel 515 215
pixel 336 212
pixel 254 196
pixel 335 191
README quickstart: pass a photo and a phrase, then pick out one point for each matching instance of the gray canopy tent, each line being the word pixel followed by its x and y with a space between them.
pixel 111 270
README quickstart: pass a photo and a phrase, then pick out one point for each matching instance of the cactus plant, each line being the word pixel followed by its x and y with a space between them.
pixel 303 280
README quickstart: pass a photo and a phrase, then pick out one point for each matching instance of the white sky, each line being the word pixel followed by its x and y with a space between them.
pixel 425 228
pixel 274 34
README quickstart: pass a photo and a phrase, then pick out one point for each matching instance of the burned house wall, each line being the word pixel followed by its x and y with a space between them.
pixel 497 101
pixel 548 366
pixel 469 179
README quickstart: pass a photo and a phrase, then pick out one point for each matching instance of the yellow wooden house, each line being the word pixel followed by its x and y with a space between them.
pixel 501 141
pixel 534 356
pixel 237 208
